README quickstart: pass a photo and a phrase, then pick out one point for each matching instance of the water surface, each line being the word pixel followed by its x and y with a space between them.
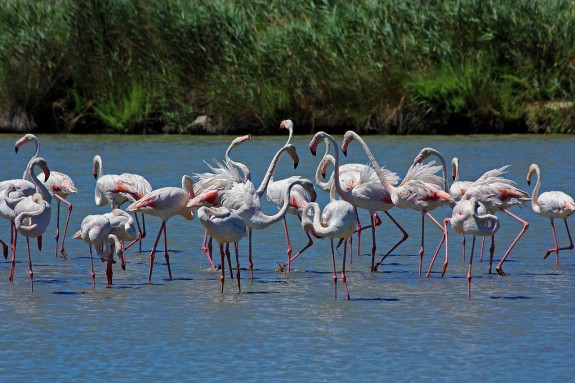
pixel 396 327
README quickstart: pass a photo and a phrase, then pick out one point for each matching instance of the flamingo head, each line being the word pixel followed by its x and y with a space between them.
pixel 423 154
pixel 286 124
pixel 24 140
pixel 291 150
pixel 533 168
pixel 454 166
pixel 347 138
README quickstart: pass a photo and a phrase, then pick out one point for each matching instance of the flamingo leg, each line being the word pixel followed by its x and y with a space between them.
pixel 556 249
pixel 499 268
pixel 57 235
pixel 223 266
pixel 250 263
pixel 62 250
pixel 140 235
pixel 373 244
pixel 208 251
pixel 491 253
pixel 463 245
pixel 443 239
pixel 153 252
pixel 334 270
pixel 229 261
pixel 343 277
pixel 123 256
pixel 289 248
pixel 421 249
pixel 469 271
pixel 166 255
pixel 482 247
pixel 5 248
pixel 30 271
pixel 309 244
pixel 13 263
pixel 358 230
pixel 405 236
pixel 93 273
pixel 446 262
pixel 237 267
pixel 109 272
pixel 570 247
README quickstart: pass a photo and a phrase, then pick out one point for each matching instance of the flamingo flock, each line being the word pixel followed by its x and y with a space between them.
pixel 228 204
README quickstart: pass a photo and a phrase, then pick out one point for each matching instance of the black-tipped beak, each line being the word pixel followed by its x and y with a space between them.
pixel 453 177
pixel 344 152
pixel 295 164
pixel 323 175
pixel 312 151
pixel 95 176
pixel 16 149
pixel 529 182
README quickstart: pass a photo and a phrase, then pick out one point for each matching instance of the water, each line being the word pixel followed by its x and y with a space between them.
pixel 397 326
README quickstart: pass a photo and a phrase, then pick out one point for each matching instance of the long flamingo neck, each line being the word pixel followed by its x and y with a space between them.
pixel 443 168
pixel 306 221
pixel 327 158
pixel 243 168
pixel 271 219
pixel 26 174
pixel 336 184
pixel 535 194
pixel 40 186
pixel 374 164
pixel 271 171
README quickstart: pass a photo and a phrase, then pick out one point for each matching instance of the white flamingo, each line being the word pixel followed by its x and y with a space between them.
pixel 32 217
pixel 13 191
pixel 60 186
pixel 471 217
pixel 116 189
pixel 96 230
pixel 165 203
pixel 225 227
pixel 498 193
pixel 420 190
pixel 551 204
pixel 337 220
pixel 123 228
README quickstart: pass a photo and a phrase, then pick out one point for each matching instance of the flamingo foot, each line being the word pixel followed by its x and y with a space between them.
pixel 500 271
pixel 64 253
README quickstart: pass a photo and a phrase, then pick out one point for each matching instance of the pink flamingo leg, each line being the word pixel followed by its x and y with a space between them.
pixel 123 256
pixel 343 277
pixel 499 268
pixel 153 252
pixel 482 247
pixel 570 247
pixel 463 245
pixel 405 236
pixel 57 235
pixel 491 253
pixel 13 263
pixel 62 250
pixel 92 269
pixel 229 261
pixel 166 255
pixel 358 230
pixel 140 234
pixel 237 267
pixel 30 271
pixel 373 244
pixel 444 239
pixel 309 244
pixel 469 271
pixel 223 266
pixel 109 272
pixel 334 270
pixel 289 248
pixel 421 250
pixel 250 263
pixel 206 252
pixel 5 249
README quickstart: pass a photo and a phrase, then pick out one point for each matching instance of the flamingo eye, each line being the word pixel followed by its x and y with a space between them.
pixel 460 213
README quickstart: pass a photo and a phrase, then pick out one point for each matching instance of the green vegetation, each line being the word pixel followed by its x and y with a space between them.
pixel 399 66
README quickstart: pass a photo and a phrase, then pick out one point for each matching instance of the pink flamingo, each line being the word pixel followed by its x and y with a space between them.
pixel 32 217
pixel 298 197
pixel 59 184
pixel 420 190
pixel 14 191
pixel 551 204
pixel 225 227
pixel 470 217
pixel 165 203
pixel 499 193
pixel 96 230
pixel 243 199
pixel 123 228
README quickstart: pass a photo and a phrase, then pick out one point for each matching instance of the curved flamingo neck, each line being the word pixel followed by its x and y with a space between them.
pixel 336 184
pixel 271 171
pixel 455 169
pixel 433 152
pixel 327 159
pixel 40 187
pixel 26 174
pixel 264 219
pixel 389 187
pixel 535 194
pixel 243 168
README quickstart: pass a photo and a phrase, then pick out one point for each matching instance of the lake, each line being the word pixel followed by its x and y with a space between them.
pixel 288 327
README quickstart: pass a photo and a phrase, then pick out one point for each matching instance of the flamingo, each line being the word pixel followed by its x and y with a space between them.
pixel 338 220
pixel 96 230
pixel 123 228
pixel 116 189
pixel 366 192
pixel 225 227
pixel 470 217
pixel 498 193
pixel 551 204
pixel 420 190
pixel 13 191
pixel 165 203
pixel 60 186
pixel 32 217
pixel 245 200
pixel 298 198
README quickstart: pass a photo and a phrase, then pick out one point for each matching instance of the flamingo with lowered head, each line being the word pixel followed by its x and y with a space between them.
pixel 551 204
pixel 420 190
pixel 123 228
pixel 59 184
pixel 165 203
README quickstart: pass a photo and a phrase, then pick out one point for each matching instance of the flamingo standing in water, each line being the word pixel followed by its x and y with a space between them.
pixel 420 190
pixel 12 192
pixel 225 227
pixel 165 203
pixel 116 189
pixel 298 197
pixel 96 230
pixel 551 204
pixel 59 184
pixel 123 228
pixel 470 217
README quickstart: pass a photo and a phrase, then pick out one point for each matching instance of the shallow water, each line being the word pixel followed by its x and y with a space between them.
pixel 396 327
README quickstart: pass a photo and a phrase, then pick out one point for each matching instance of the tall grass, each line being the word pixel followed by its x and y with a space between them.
pixel 388 67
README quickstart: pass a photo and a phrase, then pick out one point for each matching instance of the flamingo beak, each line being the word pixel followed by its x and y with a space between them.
pixel 16 149
pixel 529 182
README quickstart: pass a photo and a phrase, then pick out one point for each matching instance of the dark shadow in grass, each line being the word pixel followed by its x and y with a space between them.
pixel 69 292
pixel 379 299
pixel 510 298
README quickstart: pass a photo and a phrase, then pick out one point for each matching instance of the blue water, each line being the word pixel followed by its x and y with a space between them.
pixel 288 327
